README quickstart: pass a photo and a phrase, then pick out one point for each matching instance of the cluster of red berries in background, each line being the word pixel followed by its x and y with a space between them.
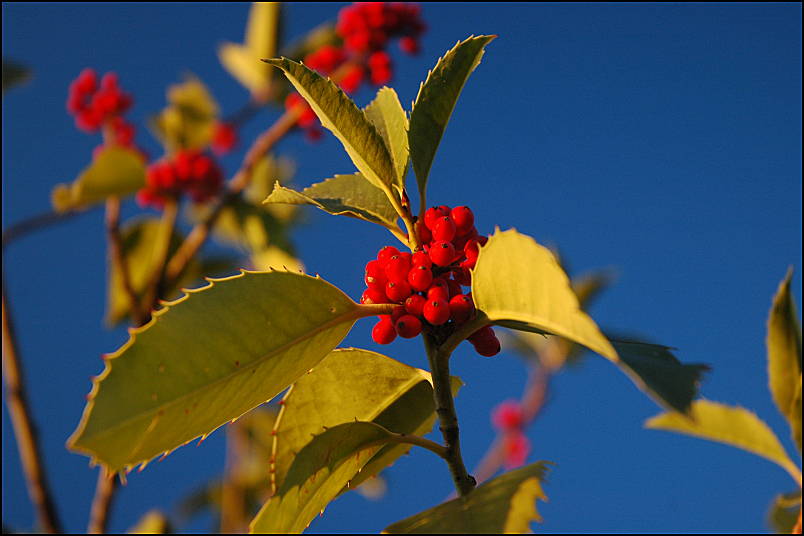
pixel 189 171
pixel 427 284
pixel 366 29
pixel 224 138
pixel 508 418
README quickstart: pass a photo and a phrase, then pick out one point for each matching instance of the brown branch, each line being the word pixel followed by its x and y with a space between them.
pixel 102 502
pixel 117 258
pixel 25 430
pixel 34 223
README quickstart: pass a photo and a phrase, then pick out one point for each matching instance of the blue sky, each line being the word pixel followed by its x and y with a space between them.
pixel 663 141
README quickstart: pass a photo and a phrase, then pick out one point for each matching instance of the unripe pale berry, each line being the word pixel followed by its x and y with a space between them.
pixel 420 278
pixel 463 218
pixel 397 291
pixel 461 308
pixel 444 229
pixel 408 326
pixel 415 304
pixel 442 253
pixel 383 331
pixel 436 311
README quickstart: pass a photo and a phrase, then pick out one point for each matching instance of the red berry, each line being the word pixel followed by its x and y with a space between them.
pixel 488 347
pixel 432 215
pixel 224 138
pixel 444 229
pixel 420 258
pixel 397 291
pixel 415 304
pixel 375 275
pixel 383 331
pixel 508 416
pixel 439 289
pixel 464 219
pixel 461 308
pixel 352 79
pixel 408 326
pixel 436 311
pixel 397 268
pixel 386 253
pixel 516 447
pixel 409 45
pixel 373 295
pixel 424 234
pixel 442 253
pixel 420 277
pixel 397 313
pixel 484 333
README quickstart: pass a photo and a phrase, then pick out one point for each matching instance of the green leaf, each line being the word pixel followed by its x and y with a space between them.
pixel 437 97
pixel 506 504
pixel 188 122
pixel 319 472
pixel 784 511
pixel 208 358
pixel 115 172
pixel 262 35
pixel 14 74
pixel 795 422
pixel 348 195
pixel 348 385
pixel 152 522
pixel 784 350
pixel 518 284
pixel 656 371
pixel 731 425
pixel 387 115
pixel 348 123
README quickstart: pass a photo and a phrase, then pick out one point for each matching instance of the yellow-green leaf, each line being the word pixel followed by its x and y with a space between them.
pixel 348 195
pixel 784 511
pixel 152 522
pixel 795 412
pixel 784 350
pixel 115 172
pixel 262 35
pixel 348 123
pixel 319 472
pixel 518 284
pixel 208 358
pixel 503 505
pixel 731 425
pixel 188 122
pixel 348 385
pixel 437 97
pixel 387 115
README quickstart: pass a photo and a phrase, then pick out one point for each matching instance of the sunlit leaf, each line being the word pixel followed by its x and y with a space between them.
pixel 14 74
pixel 795 421
pixel 506 504
pixel 318 473
pixel 347 122
pixel 518 284
pixel 348 195
pixel 437 97
pixel 348 385
pixel 387 115
pixel 261 38
pixel 115 172
pixel 784 511
pixel 188 122
pixel 206 359
pixel 152 522
pixel 731 425
pixel 784 351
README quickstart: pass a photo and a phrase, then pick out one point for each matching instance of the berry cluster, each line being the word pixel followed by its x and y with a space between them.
pixel 93 104
pixel 427 284
pixel 365 28
pixel 190 171
pixel 509 419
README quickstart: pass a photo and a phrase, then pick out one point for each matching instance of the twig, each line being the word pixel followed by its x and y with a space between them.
pixel 118 260
pixel 448 419
pixel 158 282
pixel 25 430
pixel 102 502
pixel 34 223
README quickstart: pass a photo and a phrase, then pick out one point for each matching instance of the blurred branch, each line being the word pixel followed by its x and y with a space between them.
pixel 102 502
pixel 117 258
pixel 24 429
pixel 21 228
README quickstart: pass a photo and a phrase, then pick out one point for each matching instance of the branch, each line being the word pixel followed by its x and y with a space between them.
pixel 25 430
pixel 34 223
pixel 102 502
pixel 448 419
pixel 117 258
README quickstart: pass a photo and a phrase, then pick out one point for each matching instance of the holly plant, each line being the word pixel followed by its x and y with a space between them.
pixel 219 351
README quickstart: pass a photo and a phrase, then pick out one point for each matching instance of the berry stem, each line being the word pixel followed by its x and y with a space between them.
pixel 447 417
